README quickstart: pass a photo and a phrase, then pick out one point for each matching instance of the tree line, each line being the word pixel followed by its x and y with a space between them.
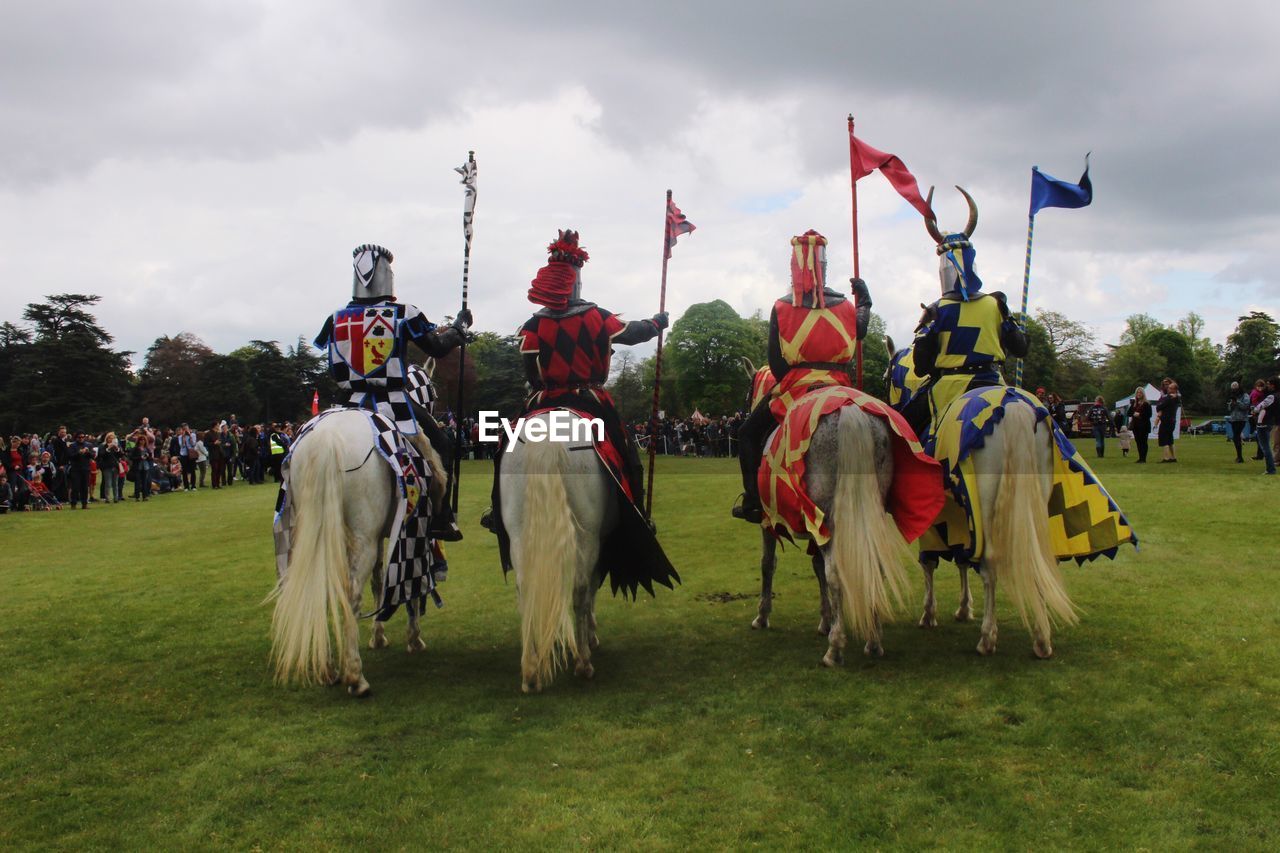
pixel 59 367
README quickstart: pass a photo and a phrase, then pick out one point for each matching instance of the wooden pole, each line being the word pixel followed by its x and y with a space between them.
pixel 657 359
pixel 853 190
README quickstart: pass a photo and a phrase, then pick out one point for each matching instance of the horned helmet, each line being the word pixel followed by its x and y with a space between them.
pixel 955 251
pixel 373 276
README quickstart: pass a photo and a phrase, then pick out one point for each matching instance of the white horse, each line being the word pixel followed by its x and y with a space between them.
pixel 343 495
pixel 1014 473
pixel 848 471
pixel 558 505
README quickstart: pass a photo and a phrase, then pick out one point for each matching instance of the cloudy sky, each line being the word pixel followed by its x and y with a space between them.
pixel 208 166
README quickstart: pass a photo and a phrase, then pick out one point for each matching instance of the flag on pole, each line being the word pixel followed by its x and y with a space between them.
pixel 863 160
pixel 315 402
pixel 677 225
pixel 1048 191
pixel 468 172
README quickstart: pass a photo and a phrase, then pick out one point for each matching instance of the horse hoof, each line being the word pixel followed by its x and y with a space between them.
pixel 928 620
pixel 1043 650
pixel 585 670
pixel 593 643
pixel 361 690
pixel 379 641
pixel 832 658
pixel 416 645
pixel 873 650
pixel 530 687
pixel 824 628
pixel 759 622
pixel 963 615
pixel 986 647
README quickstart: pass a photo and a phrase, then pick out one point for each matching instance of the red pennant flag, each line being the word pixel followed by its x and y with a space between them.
pixel 677 224
pixel 315 402
pixel 863 160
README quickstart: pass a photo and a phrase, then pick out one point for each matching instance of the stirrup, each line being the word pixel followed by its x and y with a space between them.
pixel 748 510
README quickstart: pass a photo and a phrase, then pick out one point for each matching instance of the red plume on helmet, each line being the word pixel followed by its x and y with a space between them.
pixel 808 268
pixel 553 285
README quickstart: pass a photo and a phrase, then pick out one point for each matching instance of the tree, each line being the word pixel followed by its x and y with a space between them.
pixel 1251 351
pixel 1132 366
pixel 1039 369
pixel 500 384
pixel 1179 361
pixel 169 387
pixel 707 345
pixel 82 382
pixel 275 384
pixel 1137 326
pixel 226 389
pixel 875 359
pixel 15 346
pixel 1207 362
pixel 631 394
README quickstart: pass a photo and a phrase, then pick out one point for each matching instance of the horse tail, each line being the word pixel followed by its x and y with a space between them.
pixel 867 552
pixel 1019 549
pixel 547 557
pixel 312 600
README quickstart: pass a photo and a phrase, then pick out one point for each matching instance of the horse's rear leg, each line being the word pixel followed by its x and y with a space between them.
pixel 415 641
pixel 929 619
pixel 965 612
pixel 835 636
pixel 768 563
pixel 824 597
pixel 987 645
pixel 583 627
pixel 378 640
pixel 361 557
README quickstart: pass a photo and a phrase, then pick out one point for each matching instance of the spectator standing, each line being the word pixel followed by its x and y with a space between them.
pixel 202 459
pixel 1237 416
pixel 217 458
pixel 186 457
pixel 249 453
pixel 1100 424
pixel 1267 418
pixel 79 457
pixel 141 461
pixel 1140 422
pixel 109 456
pixel 230 450
pixel 1167 409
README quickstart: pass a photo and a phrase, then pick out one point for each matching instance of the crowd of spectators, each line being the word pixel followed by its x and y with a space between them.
pixel 76 469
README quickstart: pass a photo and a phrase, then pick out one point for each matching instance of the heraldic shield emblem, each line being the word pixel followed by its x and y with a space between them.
pixel 365 337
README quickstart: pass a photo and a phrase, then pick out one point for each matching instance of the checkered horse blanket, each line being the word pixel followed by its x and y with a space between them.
pixel 915 495
pixel 1084 522
pixel 415 563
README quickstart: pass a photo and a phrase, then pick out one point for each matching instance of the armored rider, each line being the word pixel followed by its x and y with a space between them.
pixel 965 336
pixel 813 335
pixel 368 344
pixel 566 348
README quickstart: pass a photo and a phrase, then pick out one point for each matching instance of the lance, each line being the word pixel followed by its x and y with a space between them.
pixel 853 189
pixel 657 359
pixel 468 172
pixel 1026 289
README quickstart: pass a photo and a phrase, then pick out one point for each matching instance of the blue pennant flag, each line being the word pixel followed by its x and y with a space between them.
pixel 1048 191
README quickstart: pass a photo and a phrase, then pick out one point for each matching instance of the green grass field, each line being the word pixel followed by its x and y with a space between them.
pixel 137 710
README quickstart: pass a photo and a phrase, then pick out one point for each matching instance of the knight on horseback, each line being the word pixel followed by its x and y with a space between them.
pixel 813 333
pixel 567 346
pixel 368 344
pixel 963 338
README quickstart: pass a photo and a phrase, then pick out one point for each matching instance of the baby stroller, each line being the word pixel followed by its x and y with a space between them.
pixel 37 499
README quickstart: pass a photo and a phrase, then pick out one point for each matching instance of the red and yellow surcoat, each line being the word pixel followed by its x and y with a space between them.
pixel 812 341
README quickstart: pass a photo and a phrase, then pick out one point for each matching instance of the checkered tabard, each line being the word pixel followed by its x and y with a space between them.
pixel 1084 521
pixel 414 562
pixel 571 350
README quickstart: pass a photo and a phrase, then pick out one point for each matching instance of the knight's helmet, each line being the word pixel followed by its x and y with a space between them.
pixel 955 251
pixel 373 276
pixel 808 269
pixel 560 281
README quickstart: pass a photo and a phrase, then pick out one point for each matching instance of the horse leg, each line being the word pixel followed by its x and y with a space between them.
pixel 824 596
pixel 768 562
pixel 378 640
pixel 965 613
pixel 593 641
pixel 929 619
pixel 415 642
pixel 987 645
pixel 835 636
pixel 584 594
pixel 874 648
pixel 362 556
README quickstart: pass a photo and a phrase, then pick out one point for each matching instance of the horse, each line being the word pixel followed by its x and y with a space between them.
pixel 558 505
pixel 343 494
pixel 1014 473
